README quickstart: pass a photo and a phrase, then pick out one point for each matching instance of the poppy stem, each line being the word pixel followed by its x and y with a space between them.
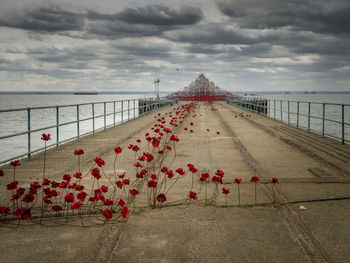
pixel 239 196
pixel 255 193
pixel 206 187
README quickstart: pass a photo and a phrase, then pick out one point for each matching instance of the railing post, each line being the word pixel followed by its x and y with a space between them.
pixel 323 117
pixel 342 124
pixel 93 118
pixel 57 126
pixel 308 116
pixel 128 110
pixel 114 113
pixel 29 133
pixel 274 109
pixel 122 111
pixel 104 116
pixel 281 110
pixel 78 126
pixel 298 106
pixel 288 113
pixel 134 108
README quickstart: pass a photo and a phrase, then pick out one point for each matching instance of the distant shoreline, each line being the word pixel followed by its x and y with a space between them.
pixel 161 92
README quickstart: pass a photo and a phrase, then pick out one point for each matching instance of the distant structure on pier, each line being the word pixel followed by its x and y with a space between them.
pixel 202 89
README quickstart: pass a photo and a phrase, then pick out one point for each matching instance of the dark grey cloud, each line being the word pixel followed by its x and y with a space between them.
pixel 314 15
pixel 161 15
pixel 119 29
pixel 45 19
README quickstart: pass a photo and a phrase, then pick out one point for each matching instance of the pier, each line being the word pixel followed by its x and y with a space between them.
pixel 303 218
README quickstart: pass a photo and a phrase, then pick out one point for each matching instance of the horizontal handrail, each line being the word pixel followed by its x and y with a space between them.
pixel 257 104
pixel 127 110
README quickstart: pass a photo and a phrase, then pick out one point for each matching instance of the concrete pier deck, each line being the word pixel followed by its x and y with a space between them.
pixel 314 174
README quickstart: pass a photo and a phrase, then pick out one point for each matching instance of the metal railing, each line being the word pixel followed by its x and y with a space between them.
pixel 119 111
pixel 327 119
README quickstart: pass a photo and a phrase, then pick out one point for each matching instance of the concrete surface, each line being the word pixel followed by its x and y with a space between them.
pixel 245 147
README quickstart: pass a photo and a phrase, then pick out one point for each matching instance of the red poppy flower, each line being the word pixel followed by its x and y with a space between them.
pixel 225 191
pixel 125 212
pixel 35 185
pixel 107 213
pixel 121 175
pixel 153 176
pixel 120 184
pixel 96 173
pixel 54 184
pixel 180 171
pixel 79 152
pixel 63 184
pixel 138 140
pixel 141 158
pixel 208 130
pixel 135 148
pixel 5 210
pixel 130 146
pixel 138 164
pixel 237 181
pixel 57 208
pixel 219 173
pixel 118 150
pixel 254 179
pixel 192 195
pixel 149 158
pixel 28 198
pixel 146 134
pixel 81 196
pixel 12 186
pixel 2 173
pixel 174 138
pixel 46 181
pixel 99 161
pixel 164 169
pixel 168 130
pixel 274 181
pixel 192 168
pixel 217 179
pixel 204 177
pixel 23 213
pixel 46 137
pixel 69 198
pixel 170 174
pixel 79 188
pixel 126 181
pixel 191 131
pixel 218 133
pixel 121 202
pixel 168 148
pixel 155 142
pixel 76 205
pixel 14 163
pixel 108 202
pixel 47 199
pixel 67 177
pixel 78 175
pixel 152 184
pixel 161 198
pixel 104 188
pixel 133 191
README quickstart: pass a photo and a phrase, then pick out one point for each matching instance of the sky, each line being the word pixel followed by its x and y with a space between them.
pixel 124 45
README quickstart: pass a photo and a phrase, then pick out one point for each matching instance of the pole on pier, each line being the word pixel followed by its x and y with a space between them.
pixel 342 125
pixel 57 126
pixel 113 113
pixel 104 115
pixel 93 118
pixel 29 133
pixel 323 117
pixel 78 124
pixel 298 106
pixel 308 116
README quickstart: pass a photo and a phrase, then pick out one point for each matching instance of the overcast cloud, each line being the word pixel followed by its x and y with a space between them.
pixel 250 45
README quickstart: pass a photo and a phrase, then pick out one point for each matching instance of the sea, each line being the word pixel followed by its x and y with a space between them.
pixel 17 121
